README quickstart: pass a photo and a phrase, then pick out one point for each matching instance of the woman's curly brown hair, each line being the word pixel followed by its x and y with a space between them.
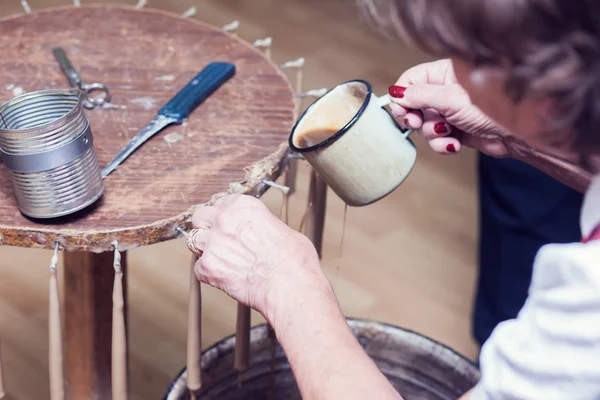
pixel 550 48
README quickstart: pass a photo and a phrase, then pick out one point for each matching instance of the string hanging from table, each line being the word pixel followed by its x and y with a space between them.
pixel 304 217
pixel 57 381
pixel 343 228
pixel 315 215
pixel 194 340
pixel 119 335
pixel 317 201
pixel 2 388
pixel 298 65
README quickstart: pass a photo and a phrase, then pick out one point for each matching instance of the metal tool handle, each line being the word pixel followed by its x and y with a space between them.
pixel 67 67
pixel 198 90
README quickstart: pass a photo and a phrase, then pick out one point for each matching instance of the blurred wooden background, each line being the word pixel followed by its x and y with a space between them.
pixel 408 260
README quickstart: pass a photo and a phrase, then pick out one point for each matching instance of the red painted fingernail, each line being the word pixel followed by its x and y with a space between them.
pixel 440 127
pixel 406 123
pixel 450 148
pixel 396 91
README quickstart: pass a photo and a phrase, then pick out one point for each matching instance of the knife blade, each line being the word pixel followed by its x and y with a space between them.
pixel 213 76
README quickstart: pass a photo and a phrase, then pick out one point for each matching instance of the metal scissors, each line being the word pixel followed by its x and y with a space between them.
pixel 90 101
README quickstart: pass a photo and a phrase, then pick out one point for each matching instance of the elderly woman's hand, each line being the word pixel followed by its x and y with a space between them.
pixel 429 99
pixel 252 255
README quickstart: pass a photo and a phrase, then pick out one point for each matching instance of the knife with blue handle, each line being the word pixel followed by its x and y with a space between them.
pixel 178 108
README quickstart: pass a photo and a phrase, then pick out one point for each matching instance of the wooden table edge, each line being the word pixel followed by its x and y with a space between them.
pixel 269 168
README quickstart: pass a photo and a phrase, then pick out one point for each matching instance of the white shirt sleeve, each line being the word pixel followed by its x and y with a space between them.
pixel 551 351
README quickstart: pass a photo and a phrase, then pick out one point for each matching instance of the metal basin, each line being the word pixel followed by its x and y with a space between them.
pixel 418 367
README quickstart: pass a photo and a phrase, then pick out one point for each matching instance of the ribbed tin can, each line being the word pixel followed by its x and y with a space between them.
pixel 47 146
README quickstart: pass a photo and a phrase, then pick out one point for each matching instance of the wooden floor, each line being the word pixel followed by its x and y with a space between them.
pixel 408 260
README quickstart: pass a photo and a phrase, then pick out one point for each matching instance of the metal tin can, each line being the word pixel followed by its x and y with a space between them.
pixel 47 145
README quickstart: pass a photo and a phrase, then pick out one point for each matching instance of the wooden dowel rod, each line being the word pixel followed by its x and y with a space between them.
pixel 57 380
pixel 315 221
pixel 119 336
pixel 194 340
pixel 242 338
pixel 89 282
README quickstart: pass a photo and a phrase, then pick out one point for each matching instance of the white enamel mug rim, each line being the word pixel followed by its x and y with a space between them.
pixel 382 102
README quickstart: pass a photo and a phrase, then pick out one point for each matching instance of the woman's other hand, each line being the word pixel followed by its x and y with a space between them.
pixel 260 261
pixel 428 98
pixel 252 255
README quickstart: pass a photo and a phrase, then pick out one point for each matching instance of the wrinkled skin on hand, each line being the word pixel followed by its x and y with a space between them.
pixel 249 253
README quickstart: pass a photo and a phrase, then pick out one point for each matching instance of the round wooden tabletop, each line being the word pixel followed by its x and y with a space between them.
pixel 233 141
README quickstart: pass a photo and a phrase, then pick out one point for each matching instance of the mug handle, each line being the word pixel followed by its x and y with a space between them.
pixel 384 101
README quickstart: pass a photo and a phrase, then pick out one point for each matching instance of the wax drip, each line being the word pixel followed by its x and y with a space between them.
pixel 57 385
pixel 304 217
pixel 299 62
pixel 189 13
pixel 26 6
pixel 194 339
pixel 119 335
pixel 232 26
pixel 343 228
pixel 264 44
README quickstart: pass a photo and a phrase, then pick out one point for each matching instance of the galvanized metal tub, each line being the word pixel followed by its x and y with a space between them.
pixel 418 367
pixel 47 145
